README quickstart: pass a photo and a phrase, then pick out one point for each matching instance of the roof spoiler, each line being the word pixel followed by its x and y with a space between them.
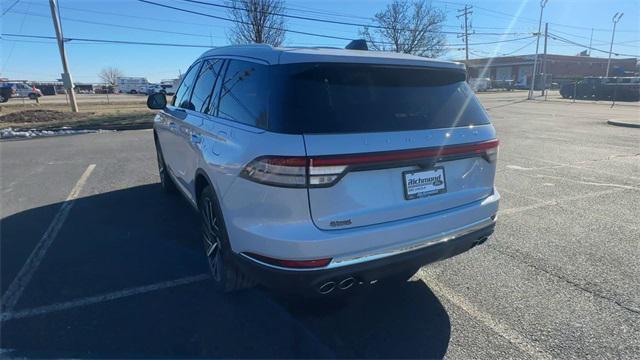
pixel 359 44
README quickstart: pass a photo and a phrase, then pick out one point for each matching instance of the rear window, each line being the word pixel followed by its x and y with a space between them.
pixel 347 98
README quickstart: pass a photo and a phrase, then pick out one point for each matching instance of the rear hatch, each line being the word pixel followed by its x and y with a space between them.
pixel 386 143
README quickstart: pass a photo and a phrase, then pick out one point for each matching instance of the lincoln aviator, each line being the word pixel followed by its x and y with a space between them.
pixel 321 170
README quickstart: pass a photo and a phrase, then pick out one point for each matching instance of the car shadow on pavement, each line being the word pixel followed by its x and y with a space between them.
pixel 383 321
pixel 134 237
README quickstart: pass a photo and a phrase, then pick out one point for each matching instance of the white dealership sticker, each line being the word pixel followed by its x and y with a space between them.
pixel 424 183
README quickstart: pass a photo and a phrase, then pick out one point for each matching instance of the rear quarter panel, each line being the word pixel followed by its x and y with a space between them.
pixel 227 147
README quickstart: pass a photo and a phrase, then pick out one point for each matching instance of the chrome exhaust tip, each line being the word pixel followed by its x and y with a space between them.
pixel 327 287
pixel 480 241
pixel 346 283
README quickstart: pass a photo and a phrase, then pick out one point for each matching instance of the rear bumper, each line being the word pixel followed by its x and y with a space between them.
pixel 364 272
pixel 267 234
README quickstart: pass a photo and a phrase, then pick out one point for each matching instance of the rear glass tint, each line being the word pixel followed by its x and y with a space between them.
pixel 348 98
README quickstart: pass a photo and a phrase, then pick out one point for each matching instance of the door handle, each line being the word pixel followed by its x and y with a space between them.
pixel 172 125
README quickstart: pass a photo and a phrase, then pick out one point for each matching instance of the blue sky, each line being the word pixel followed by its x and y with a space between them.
pixel 38 59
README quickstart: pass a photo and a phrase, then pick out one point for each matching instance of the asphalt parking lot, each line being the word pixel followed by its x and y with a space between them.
pixel 108 266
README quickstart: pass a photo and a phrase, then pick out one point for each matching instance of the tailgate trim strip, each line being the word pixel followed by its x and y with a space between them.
pixel 423 243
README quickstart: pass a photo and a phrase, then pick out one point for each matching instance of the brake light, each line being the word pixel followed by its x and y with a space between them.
pixel 324 171
pixel 299 264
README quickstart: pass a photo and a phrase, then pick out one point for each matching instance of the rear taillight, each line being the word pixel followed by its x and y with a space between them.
pixel 294 264
pixel 277 171
pixel 324 171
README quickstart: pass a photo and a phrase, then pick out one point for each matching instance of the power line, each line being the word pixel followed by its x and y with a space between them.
pixel 565 40
pixel 127 42
pixel 28 41
pixel 556 24
pixel 602 42
pixel 13 46
pixel 243 22
pixel 311 10
pixel 288 30
pixel 131 16
pixel 500 41
pixel 373 26
pixel 520 48
pixel 106 41
pixel 116 25
pixel 10 7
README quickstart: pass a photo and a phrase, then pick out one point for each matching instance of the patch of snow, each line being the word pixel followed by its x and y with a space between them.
pixel 10 133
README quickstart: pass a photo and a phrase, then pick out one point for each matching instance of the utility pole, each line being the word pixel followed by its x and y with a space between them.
pixel 465 12
pixel 544 59
pixel 535 60
pixel 66 75
pixel 590 42
pixel 615 20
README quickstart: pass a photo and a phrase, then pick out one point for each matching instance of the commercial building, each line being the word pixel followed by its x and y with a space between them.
pixel 559 68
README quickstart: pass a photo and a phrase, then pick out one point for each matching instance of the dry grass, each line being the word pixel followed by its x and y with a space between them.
pixel 92 115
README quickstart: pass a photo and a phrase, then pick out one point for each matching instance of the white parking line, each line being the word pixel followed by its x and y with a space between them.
pixel 558 201
pixel 14 292
pixel 102 298
pixel 503 330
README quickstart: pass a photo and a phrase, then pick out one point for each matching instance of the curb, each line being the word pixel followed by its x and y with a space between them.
pixel 624 123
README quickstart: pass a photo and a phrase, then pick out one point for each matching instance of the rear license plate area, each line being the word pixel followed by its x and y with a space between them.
pixel 422 183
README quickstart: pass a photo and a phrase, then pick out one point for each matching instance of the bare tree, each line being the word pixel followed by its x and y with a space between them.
pixel 410 28
pixel 257 21
pixel 110 75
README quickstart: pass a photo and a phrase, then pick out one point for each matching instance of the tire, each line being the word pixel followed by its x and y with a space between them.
pixel 226 275
pixel 133 92
pixel 33 96
pixel 166 182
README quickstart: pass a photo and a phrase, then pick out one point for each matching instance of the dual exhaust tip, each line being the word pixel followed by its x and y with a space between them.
pixel 347 283
pixel 329 286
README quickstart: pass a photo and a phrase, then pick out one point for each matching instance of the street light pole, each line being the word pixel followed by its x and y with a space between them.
pixel 535 61
pixel 66 77
pixel 615 20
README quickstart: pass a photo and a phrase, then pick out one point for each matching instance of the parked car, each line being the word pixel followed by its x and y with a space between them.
pixel 150 89
pixel 480 84
pixel 19 90
pixel 321 170
pixel 603 88
pixel 5 93
pixel 166 89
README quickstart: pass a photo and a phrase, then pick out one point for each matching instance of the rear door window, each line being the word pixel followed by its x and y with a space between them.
pixel 349 98
pixel 183 95
pixel 203 89
pixel 244 93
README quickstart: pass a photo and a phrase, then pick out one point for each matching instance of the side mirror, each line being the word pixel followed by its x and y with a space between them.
pixel 157 101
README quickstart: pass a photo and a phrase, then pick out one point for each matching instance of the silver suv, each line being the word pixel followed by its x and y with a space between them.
pixel 325 169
